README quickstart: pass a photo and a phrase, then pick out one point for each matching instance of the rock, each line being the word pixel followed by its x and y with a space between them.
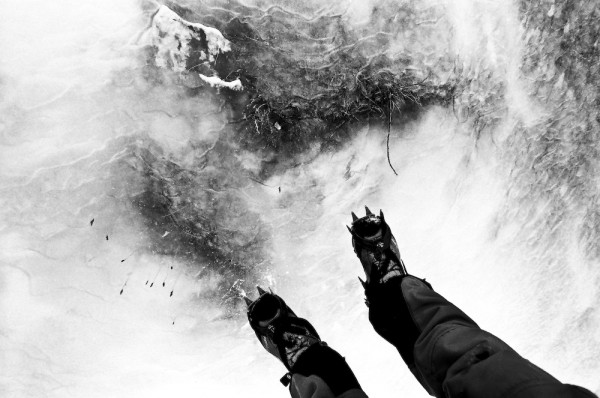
pixel 188 48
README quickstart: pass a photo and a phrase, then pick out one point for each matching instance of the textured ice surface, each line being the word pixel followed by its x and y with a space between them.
pixel 73 107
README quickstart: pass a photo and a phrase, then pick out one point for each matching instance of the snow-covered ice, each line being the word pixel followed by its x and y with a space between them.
pixel 74 108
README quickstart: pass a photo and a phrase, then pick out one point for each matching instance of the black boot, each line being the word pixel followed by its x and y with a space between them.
pixel 295 342
pixel 376 248
pixel 378 252
pixel 278 328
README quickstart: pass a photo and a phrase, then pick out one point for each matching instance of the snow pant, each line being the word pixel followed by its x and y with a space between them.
pixel 321 372
pixel 444 349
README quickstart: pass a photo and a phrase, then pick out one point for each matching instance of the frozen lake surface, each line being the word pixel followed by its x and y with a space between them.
pixel 134 211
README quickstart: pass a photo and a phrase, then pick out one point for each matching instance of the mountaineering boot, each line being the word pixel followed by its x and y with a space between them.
pixel 313 367
pixel 278 329
pixel 386 274
pixel 376 248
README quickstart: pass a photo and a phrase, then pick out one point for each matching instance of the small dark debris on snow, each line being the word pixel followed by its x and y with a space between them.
pixel 92 222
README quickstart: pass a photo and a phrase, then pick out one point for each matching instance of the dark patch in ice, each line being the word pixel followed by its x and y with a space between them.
pixel 211 228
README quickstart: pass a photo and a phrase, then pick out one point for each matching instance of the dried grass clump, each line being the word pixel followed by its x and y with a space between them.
pixel 369 94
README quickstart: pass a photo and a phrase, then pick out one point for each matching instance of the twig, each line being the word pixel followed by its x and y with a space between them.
pixel 262 183
pixel 388 135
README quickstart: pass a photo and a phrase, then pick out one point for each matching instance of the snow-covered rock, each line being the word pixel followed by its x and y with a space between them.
pixel 186 47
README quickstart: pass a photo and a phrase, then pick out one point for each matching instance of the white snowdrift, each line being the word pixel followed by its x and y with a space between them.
pixel 215 81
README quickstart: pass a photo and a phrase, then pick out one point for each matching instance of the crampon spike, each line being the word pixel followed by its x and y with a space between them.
pixel 261 291
pixel 381 214
pixel 363 283
pixel 354 217
pixel 349 230
pixel 368 211
pixel 248 301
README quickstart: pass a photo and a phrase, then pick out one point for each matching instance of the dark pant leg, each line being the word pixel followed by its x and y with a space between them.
pixel 446 350
pixel 323 372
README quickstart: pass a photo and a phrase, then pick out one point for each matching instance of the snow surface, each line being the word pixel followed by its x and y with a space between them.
pixel 71 104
